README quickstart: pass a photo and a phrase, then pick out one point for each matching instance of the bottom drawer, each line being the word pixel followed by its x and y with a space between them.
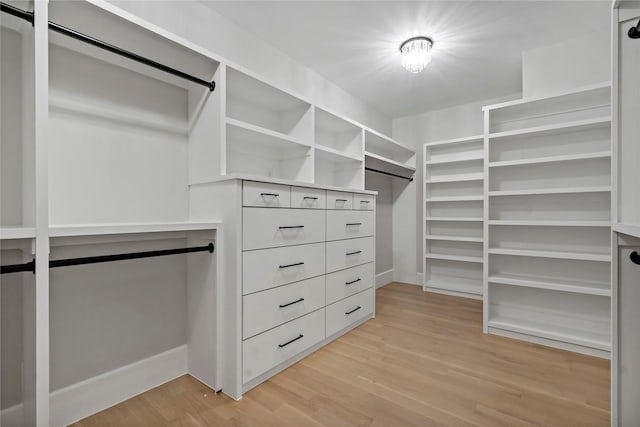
pixel 267 350
pixel 348 311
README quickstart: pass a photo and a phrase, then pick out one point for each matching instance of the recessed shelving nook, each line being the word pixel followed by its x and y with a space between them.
pixel 548 219
pixel 453 236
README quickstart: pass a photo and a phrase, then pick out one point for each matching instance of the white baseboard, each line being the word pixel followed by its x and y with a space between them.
pixel 384 278
pixel 12 416
pixel 87 397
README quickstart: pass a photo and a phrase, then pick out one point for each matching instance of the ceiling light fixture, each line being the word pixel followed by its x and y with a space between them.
pixel 416 53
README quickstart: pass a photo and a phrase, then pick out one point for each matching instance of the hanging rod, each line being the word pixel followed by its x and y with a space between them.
pixel 28 16
pixel 31 266
pixel 409 178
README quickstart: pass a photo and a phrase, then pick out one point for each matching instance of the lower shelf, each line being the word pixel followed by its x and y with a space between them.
pixel 472 287
pixel 462 258
pixel 565 285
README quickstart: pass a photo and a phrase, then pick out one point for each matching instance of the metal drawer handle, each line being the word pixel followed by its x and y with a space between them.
pixel 365 201
pixel 353 281
pixel 342 200
pixel 353 224
pixel 270 194
pixel 634 257
pixel 354 252
pixel 311 198
pixel 291 265
pixel 291 341
pixel 354 310
pixel 285 227
pixel 291 303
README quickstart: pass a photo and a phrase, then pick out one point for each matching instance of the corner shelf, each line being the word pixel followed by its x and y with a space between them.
pixel 460 258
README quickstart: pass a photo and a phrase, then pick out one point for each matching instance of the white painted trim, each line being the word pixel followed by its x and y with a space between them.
pixel 384 278
pixel 12 416
pixel 87 397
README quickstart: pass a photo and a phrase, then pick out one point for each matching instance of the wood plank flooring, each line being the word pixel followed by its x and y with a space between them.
pixel 423 361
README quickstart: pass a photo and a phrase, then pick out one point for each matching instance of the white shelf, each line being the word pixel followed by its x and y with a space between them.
pixel 602 289
pixel 337 153
pixel 377 141
pixel 455 219
pixel 132 228
pixel 453 238
pixel 559 332
pixel 455 199
pixel 551 159
pixel 457 178
pixel 264 135
pixel 571 190
pixel 465 287
pixel 462 258
pixel 628 229
pixel 551 223
pixel 555 128
pixel 475 138
pixel 14 233
pixel 385 164
pixel 551 254
pixel 455 160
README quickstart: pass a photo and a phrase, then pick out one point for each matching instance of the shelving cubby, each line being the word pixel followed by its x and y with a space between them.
pixel 548 219
pixel 453 236
pixel 384 154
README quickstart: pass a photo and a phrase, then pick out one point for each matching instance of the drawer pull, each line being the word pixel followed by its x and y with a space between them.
pixel 270 194
pixel 310 198
pixel 365 201
pixel 286 227
pixel 634 257
pixel 354 253
pixel 342 200
pixel 351 224
pixel 291 303
pixel 353 281
pixel 354 310
pixel 291 341
pixel 295 264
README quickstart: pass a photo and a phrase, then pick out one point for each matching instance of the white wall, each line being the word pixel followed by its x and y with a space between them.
pixel 194 21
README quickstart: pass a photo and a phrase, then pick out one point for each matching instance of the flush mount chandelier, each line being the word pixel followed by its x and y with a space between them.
pixel 416 53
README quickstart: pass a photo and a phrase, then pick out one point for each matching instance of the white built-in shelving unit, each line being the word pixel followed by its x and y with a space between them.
pixel 453 195
pixel 382 153
pixel 547 248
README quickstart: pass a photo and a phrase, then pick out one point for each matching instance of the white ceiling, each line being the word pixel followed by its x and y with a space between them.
pixel 477 44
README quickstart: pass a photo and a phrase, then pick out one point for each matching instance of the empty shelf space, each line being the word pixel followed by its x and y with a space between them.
pixel 131 228
pixel 458 219
pixel 551 159
pixel 552 223
pixel 457 178
pixel 455 199
pixel 455 285
pixel 565 285
pixel 14 233
pixel 551 254
pixel 261 133
pixel 454 257
pixel 558 333
pixel 338 153
pixel 559 127
pixel 569 190
pixel 453 238
pixel 475 138
pixel 474 157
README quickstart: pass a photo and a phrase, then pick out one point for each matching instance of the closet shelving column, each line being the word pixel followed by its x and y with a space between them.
pixel 547 219
pixel 453 196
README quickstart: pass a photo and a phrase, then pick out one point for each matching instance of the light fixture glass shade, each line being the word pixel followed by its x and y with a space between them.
pixel 416 53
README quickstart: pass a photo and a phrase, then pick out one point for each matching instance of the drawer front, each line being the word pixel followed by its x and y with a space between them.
pixel 364 202
pixel 349 224
pixel 264 310
pixel 344 283
pixel 339 200
pixel 262 194
pixel 269 349
pixel 348 311
pixel 343 254
pixel 308 198
pixel 268 268
pixel 269 228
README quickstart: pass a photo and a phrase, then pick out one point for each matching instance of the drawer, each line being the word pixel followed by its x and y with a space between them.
pixel 348 311
pixel 344 283
pixel 339 200
pixel 349 224
pixel 268 228
pixel 263 194
pixel 308 198
pixel 343 254
pixel 364 202
pixel 266 309
pixel 269 349
pixel 268 268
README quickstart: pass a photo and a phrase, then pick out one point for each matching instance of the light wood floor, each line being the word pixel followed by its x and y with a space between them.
pixel 423 361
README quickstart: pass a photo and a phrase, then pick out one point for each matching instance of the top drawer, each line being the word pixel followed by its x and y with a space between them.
pixel 265 195
pixel 339 200
pixel 308 198
pixel 364 202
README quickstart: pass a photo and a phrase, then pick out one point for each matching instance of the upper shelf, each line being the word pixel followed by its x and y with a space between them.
pixel 380 163
pixel 131 228
pixel 385 147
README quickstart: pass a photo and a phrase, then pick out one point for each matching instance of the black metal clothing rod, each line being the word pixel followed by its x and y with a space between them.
pixel 28 16
pixel 409 178
pixel 30 266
